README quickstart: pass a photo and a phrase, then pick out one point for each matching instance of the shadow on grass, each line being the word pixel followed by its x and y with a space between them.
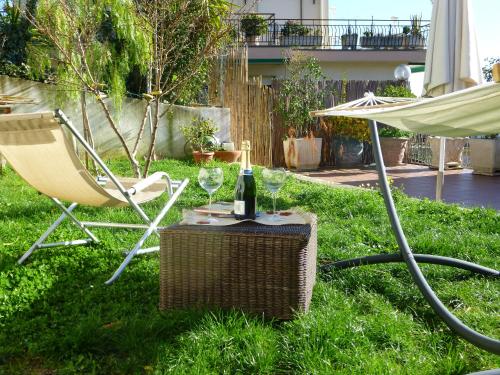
pixel 73 320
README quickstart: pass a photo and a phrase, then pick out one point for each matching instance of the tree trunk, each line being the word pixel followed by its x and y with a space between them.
pixel 3 163
pixel 154 131
pixel 145 118
pixel 87 133
pixel 132 160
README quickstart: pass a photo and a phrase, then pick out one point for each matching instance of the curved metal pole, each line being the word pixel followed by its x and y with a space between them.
pixel 476 338
pixel 420 258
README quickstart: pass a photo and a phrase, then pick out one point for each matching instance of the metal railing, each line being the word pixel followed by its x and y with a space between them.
pixel 419 152
pixel 336 34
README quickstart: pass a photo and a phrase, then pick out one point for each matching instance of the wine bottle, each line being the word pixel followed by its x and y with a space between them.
pixel 245 194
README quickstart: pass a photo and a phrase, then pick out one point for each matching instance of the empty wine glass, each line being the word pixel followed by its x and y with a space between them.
pixel 210 179
pixel 273 181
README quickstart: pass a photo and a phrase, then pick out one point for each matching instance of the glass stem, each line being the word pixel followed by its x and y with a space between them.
pixel 274 205
pixel 209 205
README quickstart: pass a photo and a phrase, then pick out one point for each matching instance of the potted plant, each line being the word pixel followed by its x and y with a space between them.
pixel 226 152
pixel 349 40
pixel 253 26
pixel 454 149
pixel 415 38
pixel 368 40
pixel 298 95
pixel 392 40
pixel 394 143
pixel 485 155
pixel 296 34
pixel 200 135
pixel 485 151
pixel 406 31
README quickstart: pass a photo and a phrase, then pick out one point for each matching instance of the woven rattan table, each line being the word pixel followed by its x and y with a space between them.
pixel 257 268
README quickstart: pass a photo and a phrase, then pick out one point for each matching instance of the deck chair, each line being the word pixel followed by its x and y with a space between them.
pixel 37 148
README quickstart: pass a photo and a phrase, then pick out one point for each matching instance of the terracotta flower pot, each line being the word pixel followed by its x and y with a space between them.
pixel 227 156
pixel 202 157
pixel 393 150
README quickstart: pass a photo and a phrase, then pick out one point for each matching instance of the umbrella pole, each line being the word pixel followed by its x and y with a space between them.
pixel 475 338
pixel 440 173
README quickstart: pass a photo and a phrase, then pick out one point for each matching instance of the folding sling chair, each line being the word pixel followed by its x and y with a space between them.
pixel 37 148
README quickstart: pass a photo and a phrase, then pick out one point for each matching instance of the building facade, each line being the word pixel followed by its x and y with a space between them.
pixel 354 49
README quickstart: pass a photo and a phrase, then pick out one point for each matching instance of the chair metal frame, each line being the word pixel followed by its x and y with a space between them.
pixel 174 190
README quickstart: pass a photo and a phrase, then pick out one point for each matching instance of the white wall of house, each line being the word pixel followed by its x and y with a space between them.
pixel 332 70
pixel 294 9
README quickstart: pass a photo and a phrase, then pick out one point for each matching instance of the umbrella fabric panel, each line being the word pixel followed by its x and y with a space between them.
pixel 452 60
pixel 473 111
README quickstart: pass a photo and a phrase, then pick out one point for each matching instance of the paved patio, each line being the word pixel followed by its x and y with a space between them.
pixel 460 185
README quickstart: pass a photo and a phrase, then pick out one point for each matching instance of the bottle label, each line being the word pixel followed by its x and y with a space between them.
pixel 239 207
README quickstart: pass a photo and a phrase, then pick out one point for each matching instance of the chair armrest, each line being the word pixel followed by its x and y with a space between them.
pixel 148 181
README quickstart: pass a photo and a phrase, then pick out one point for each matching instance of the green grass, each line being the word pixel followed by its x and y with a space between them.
pixel 56 316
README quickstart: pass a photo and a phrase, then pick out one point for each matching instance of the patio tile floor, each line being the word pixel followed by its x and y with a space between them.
pixel 460 185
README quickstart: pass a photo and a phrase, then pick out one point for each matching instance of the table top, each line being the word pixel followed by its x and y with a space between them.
pixel 248 227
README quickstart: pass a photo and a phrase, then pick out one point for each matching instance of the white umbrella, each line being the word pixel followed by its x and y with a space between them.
pixel 452 61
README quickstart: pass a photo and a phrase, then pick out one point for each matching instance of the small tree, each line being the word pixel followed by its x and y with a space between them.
pixel 186 34
pixel 299 94
pixel 89 46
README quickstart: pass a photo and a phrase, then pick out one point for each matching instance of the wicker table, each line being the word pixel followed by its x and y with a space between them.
pixel 257 268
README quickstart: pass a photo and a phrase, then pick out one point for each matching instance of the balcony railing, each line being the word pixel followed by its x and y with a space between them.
pixel 338 34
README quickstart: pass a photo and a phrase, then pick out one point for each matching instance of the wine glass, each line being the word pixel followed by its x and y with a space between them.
pixel 210 179
pixel 274 180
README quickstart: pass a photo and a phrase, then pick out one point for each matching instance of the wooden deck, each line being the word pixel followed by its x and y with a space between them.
pixel 460 186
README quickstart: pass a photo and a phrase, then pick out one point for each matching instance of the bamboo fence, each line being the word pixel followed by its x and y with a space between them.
pixel 252 105
pixel 250 102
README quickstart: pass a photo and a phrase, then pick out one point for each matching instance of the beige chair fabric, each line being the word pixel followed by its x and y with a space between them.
pixel 36 147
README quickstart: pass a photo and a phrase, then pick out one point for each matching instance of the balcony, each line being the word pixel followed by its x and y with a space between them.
pixel 337 34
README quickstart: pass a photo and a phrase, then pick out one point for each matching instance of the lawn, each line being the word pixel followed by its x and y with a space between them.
pixel 57 316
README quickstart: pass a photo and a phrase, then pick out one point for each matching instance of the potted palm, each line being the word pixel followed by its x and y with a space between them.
pixel 253 26
pixel 415 38
pixel 200 135
pixel 299 95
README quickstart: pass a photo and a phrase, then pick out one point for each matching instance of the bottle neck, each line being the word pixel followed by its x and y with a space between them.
pixel 247 166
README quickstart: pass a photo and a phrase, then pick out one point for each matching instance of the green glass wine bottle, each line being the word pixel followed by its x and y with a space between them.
pixel 245 193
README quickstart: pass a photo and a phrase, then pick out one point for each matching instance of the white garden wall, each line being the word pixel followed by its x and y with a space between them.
pixel 170 141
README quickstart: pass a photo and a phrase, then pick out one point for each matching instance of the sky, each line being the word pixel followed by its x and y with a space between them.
pixel 485 13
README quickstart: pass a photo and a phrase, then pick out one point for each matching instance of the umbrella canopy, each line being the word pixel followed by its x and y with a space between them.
pixel 473 111
pixel 452 59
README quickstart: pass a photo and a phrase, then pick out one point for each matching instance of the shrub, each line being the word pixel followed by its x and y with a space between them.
pixel 200 134
pixel 15 33
pixel 394 92
pixel 293 28
pixel 299 94
pixel 253 25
